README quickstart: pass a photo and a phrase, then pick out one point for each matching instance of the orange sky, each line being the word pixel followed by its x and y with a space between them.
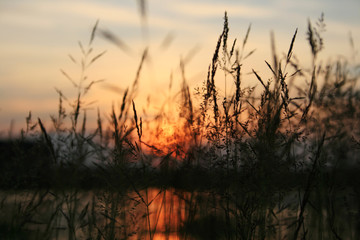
pixel 37 36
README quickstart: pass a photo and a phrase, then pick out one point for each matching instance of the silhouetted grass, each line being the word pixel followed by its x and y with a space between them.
pixel 281 163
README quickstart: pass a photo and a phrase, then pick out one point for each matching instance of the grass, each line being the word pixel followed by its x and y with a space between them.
pixel 276 163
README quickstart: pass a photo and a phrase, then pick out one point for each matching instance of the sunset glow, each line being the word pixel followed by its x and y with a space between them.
pixel 38 36
pixel 169 138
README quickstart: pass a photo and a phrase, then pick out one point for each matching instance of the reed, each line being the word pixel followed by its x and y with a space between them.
pixel 275 163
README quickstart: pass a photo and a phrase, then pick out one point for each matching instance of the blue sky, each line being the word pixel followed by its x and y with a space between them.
pixel 37 35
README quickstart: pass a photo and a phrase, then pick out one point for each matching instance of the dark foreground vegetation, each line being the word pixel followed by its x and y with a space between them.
pixel 279 161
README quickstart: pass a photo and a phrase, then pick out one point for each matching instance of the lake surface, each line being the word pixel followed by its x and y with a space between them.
pixel 155 213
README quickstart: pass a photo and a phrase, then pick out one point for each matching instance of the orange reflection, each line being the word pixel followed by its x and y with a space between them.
pixel 167 213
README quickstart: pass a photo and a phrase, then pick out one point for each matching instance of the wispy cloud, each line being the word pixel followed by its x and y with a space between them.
pixel 112 13
pixel 201 10
pixel 42 14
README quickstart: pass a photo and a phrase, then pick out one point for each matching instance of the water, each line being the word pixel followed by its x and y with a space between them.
pixel 154 213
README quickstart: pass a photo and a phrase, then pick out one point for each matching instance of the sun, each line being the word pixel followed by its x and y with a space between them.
pixel 169 138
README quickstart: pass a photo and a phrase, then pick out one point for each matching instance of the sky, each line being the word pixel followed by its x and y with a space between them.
pixel 37 36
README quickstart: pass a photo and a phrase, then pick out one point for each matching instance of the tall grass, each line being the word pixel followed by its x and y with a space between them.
pixel 276 163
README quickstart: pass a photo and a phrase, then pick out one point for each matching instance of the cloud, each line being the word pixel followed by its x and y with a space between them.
pixel 24 16
pixel 214 10
pixel 94 10
pixel 42 14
